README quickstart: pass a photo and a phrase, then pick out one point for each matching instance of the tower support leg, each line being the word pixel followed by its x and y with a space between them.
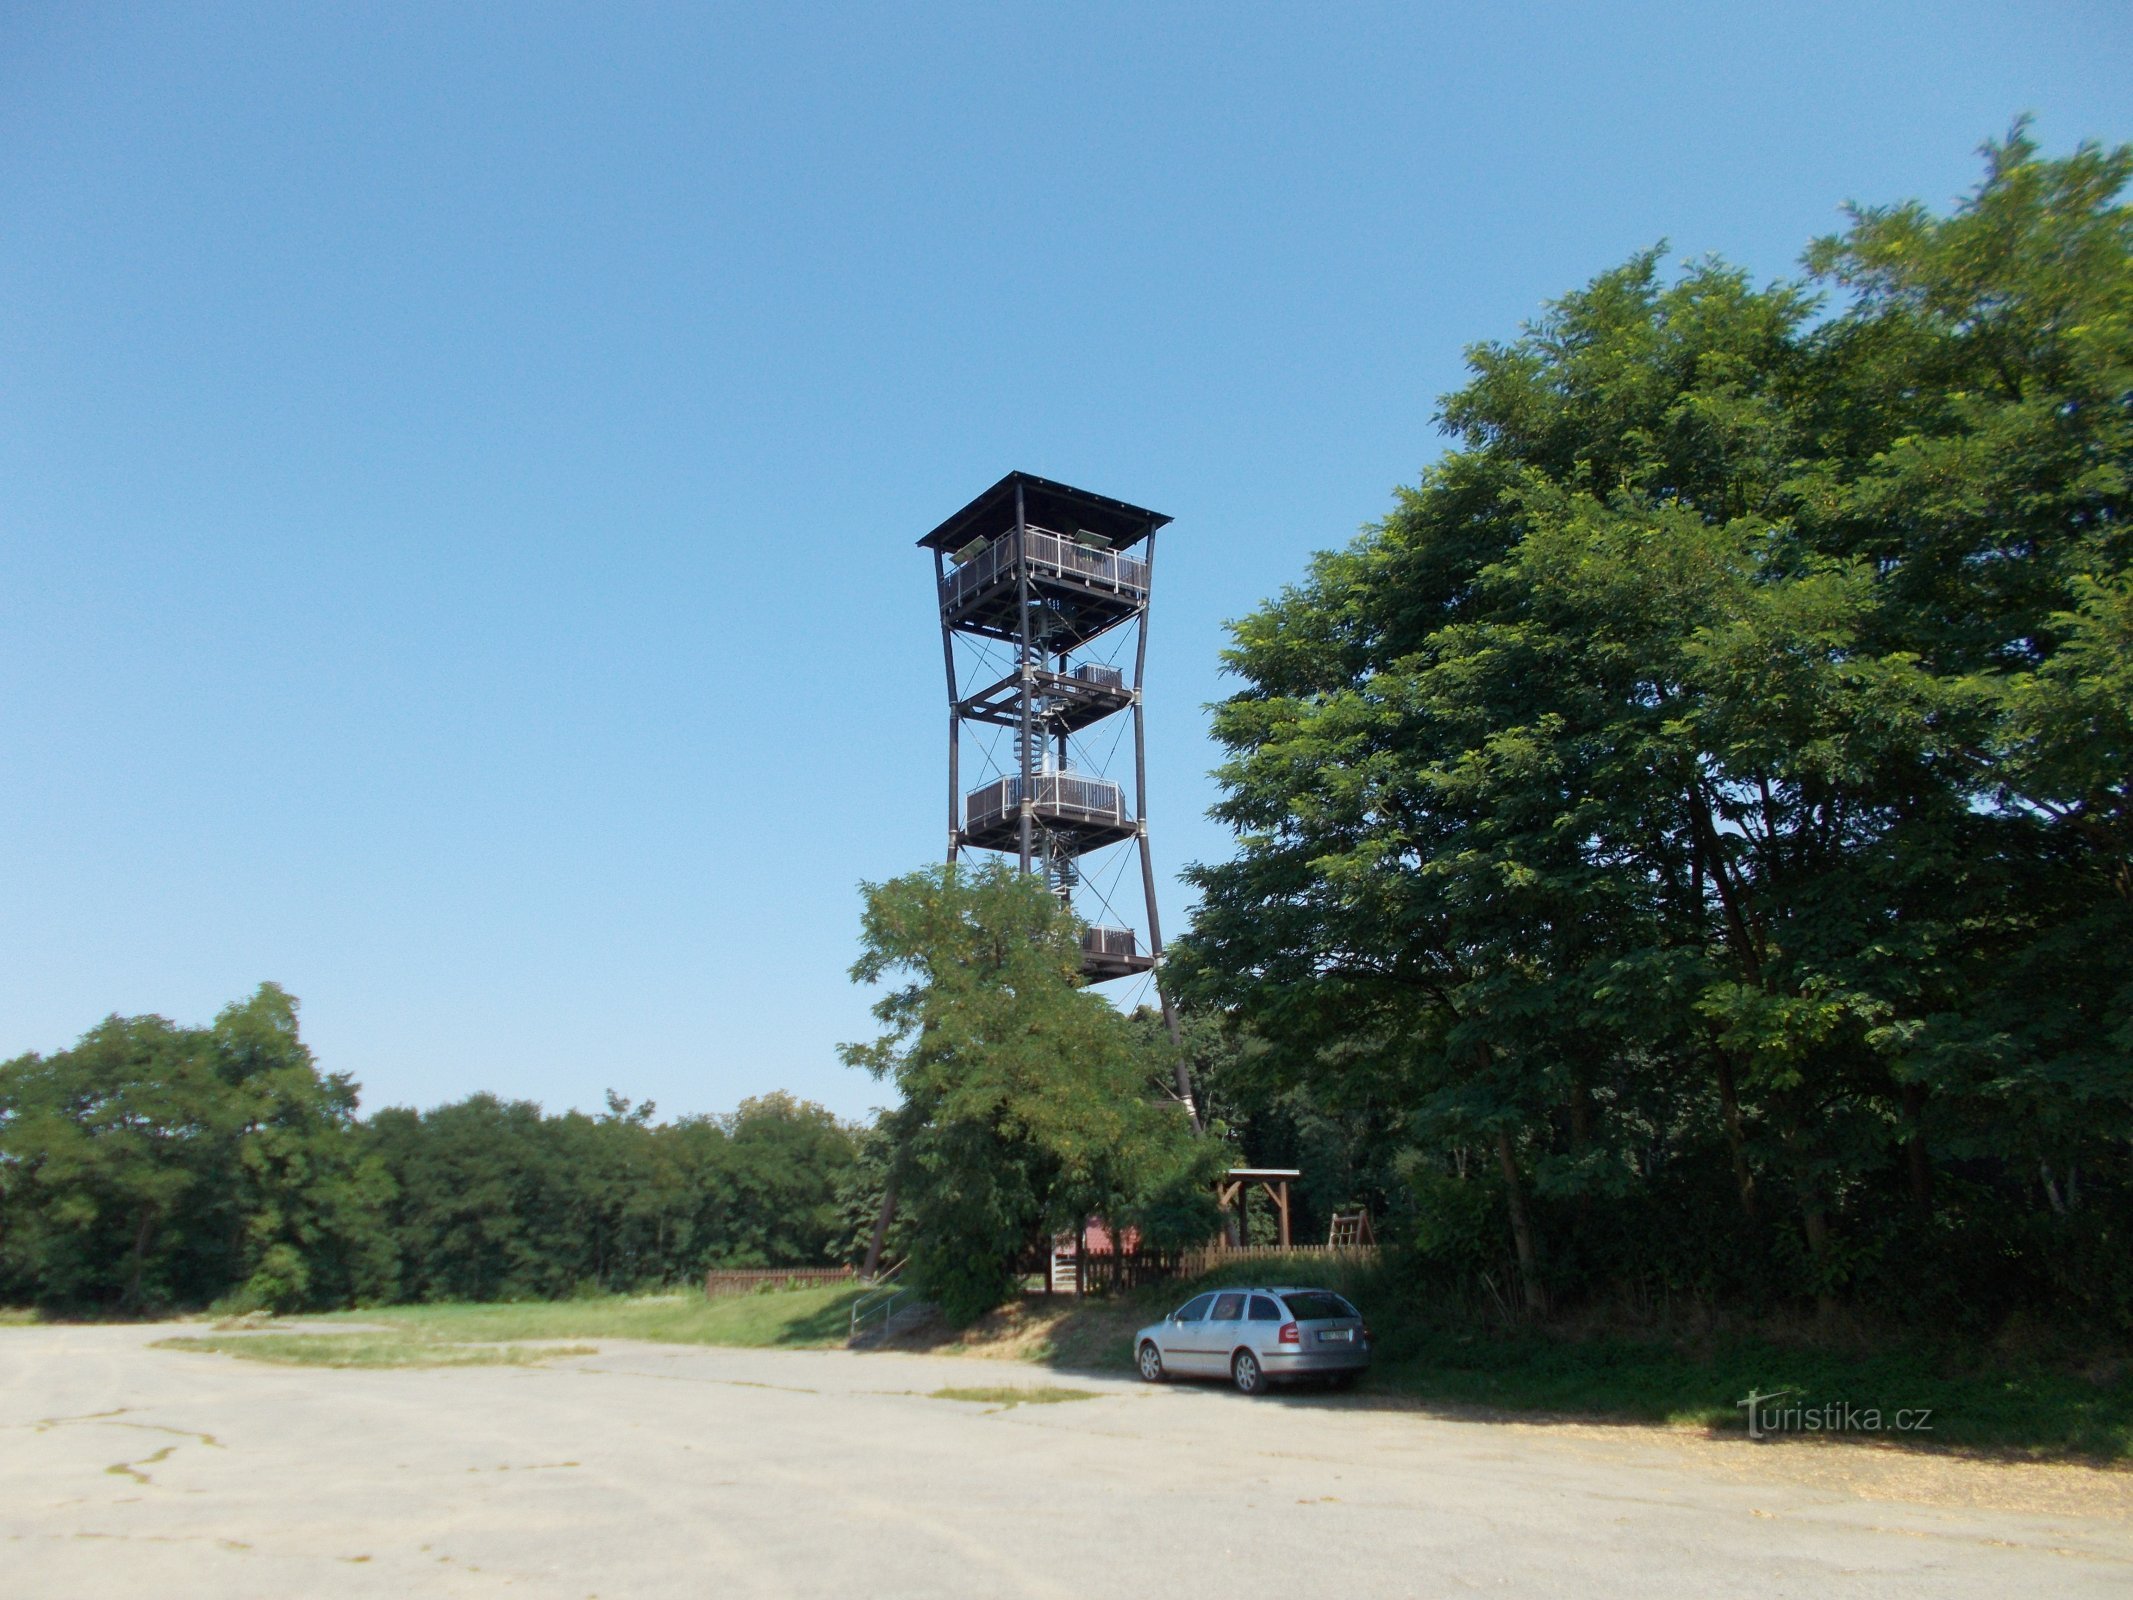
pixel 1180 1064
pixel 955 720
pixel 1023 667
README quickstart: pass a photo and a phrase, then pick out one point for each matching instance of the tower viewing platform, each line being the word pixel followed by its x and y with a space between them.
pixel 1108 953
pixel 1035 562
pixel 1064 701
pixel 1084 813
pixel 1077 589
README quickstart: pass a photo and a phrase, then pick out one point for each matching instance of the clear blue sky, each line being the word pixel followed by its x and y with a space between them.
pixel 459 464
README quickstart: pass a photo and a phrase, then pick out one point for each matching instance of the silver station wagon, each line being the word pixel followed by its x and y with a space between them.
pixel 1255 1337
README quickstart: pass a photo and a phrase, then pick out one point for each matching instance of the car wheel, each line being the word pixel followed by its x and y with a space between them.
pixel 1151 1363
pixel 1245 1373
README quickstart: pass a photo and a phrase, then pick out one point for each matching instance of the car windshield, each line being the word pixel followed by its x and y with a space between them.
pixel 1315 1305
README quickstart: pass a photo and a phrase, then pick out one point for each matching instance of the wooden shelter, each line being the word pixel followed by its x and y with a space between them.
pixel 1272 1181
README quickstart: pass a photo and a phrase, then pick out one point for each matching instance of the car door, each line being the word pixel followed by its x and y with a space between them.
pixel 1177 1337
pixel 1221 1333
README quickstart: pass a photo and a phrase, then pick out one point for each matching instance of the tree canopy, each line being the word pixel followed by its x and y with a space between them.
pixel 155 1165
pixel 1703 801
pixel 1028 1103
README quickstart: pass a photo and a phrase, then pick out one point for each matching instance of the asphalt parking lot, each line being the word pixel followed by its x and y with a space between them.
pixel 651 1470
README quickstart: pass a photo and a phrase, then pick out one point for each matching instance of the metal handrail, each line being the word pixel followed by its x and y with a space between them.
pixel 881 1294
pixel 1094 799
pixel 882 1300
pixel 1101 940
pixel 1106 568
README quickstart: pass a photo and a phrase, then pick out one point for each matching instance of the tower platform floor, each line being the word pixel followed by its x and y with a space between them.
pixel 1066 701
pixel 1082 831
pixel 1083 812
pixel 1102 967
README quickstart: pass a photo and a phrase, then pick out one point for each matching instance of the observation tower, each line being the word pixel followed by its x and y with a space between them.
pixel 1044 613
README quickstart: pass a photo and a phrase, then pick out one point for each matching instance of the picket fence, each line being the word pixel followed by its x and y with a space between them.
pixel 720 1283
pixel 1215 1257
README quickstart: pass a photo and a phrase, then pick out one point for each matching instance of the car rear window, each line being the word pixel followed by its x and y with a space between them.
pixel 1263 1310
pixel 1315 1305
pixel 1228 1307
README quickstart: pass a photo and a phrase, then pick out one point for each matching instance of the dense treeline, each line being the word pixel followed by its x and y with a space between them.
pixel 154 1165
pixel 1687 849
pixel 1685 853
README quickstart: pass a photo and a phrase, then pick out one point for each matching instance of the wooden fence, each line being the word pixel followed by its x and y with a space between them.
pixel 1102 1274
pixel 1105 1273
pixel 1215 1257
pixel 719 1283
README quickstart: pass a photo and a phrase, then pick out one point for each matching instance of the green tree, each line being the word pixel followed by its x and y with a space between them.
pixel 102 1147
pixel 1028 1103
pixel 477 1212
pixel 153 1164
pixel 786 1159
pixel 1714 770
pixel 308 1204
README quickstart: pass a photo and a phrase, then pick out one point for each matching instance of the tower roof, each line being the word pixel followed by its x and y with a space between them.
pixel 1048 505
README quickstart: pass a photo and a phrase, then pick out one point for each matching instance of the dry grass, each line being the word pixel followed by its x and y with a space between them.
pixel 785 1318
pixel 1094 1335
pixel 1005 1395
pixel 369 1350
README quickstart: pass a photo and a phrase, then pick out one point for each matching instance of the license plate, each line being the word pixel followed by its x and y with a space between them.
pixel 1337 1336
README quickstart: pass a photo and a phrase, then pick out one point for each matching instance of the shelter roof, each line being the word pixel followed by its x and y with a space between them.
pixel 1049 505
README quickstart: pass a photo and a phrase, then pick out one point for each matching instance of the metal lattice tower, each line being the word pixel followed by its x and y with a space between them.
pixel 1042 590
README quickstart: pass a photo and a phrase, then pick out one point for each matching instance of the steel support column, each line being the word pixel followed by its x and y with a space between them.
pixel 1180 1065
pixel 955 719
pixel 1022 665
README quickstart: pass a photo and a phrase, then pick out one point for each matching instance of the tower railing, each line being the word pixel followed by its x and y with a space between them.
pixel 1104 569
pixel 1099 940
pixel 1069 796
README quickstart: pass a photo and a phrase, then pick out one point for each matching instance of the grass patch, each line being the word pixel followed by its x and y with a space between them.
pixel 1981 1398
pixel 370 1350
pixel 1004 1395
pixel 1978 1401
pixel 19 1317
pixel 799 1319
